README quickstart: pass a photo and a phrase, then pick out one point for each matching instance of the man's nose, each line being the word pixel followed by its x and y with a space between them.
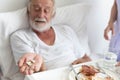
pixel 41 14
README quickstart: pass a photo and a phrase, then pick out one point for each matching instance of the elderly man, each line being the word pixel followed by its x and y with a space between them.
pixel 42 46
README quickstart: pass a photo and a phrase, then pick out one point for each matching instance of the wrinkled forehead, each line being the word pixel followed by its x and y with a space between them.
pixel 46 3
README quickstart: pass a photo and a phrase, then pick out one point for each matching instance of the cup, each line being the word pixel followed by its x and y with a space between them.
pixel 117 70
pixel 110 59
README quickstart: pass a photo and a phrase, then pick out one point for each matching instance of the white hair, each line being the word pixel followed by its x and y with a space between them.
pixel 51 0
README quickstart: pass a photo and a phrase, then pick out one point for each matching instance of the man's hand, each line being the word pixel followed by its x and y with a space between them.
pixel 81 60
pixel 109 28
pixel 118 64
pixel 30 63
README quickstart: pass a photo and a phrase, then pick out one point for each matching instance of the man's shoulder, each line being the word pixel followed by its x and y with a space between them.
pixel 20 32
pixel 63 28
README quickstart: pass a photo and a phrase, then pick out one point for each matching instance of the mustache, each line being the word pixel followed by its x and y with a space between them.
pixel 40 19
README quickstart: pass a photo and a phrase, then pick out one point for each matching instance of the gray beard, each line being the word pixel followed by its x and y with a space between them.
pixel 38 27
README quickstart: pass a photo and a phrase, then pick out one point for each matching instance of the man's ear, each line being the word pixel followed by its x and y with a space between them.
pixel 53 15
pixel 28 10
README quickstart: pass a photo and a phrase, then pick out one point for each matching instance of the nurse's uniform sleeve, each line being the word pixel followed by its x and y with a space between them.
pixel 78 49
pixel 20 46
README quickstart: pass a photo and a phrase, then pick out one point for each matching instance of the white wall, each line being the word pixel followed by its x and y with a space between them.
pixel 97 21
pixel 60 3
pixel 9 5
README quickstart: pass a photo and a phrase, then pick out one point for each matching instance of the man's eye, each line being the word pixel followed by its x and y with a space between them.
pixel 47 10
pixel 36 9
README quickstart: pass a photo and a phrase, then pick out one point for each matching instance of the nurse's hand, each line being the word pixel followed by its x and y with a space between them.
pixel 109 28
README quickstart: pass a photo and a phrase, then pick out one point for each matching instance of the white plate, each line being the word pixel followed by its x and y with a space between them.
pixel 101 75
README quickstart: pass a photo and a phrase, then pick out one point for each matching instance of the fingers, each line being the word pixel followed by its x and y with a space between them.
pixel 26 57
pixel 31 71
pixel 43 67
pixel 109 28
pixel 23 68
pixel 118 64
pixel 106 33
pixel 76 62
pixel 30 63
pixel 113 31
pixel 85 58
pixel 21 62
pixel 37 68
pixel 26 72
pixel 38 63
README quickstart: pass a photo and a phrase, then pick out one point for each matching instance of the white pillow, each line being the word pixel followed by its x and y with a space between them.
pixel 10 22
pixel 73 16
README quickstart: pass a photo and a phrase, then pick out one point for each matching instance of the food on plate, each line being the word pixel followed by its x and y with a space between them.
pixel 89 72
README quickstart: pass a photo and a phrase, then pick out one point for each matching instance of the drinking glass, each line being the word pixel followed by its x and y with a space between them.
pixel 110 60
